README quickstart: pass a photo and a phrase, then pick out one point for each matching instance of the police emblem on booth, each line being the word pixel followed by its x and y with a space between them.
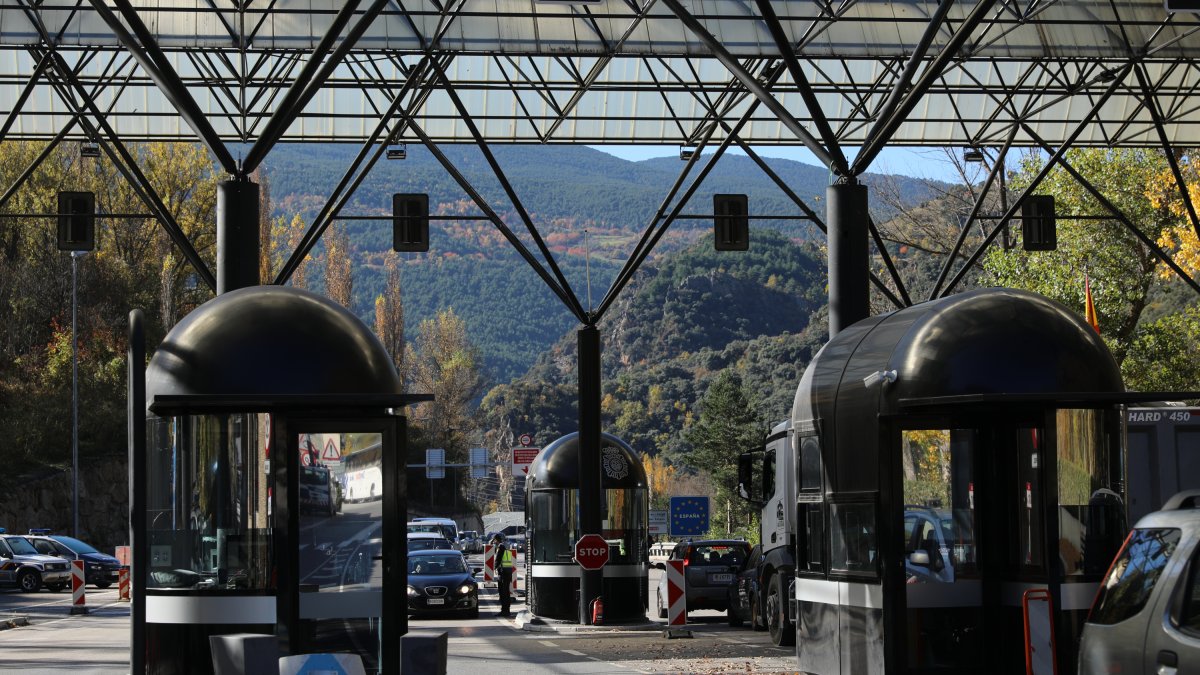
pixel 614 462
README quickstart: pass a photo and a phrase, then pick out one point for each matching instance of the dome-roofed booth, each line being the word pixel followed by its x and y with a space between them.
pixel 959 463
pixel 553 527
pixel 265 405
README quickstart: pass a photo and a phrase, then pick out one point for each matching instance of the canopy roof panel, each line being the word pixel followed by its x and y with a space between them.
pixel 633 72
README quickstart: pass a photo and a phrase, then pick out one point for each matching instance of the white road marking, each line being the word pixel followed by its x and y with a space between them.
pixel 548 643
pixel 572 652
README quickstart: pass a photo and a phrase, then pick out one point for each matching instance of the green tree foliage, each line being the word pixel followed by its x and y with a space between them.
pixel 725 428
pixel 1122 270
pixel 135 264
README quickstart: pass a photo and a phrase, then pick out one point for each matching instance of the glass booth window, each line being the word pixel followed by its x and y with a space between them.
pixel 554 516
pixel 853 547
pixel 939 503
pixel 1091 514
pixel 208 500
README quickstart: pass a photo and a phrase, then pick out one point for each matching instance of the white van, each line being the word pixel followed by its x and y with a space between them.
pixel 443 526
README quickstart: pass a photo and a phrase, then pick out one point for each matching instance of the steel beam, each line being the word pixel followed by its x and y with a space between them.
pixel 152 60
pixel 753 85
pixel 16 185
pixel 1119 215
pixel 124 161
pixel 572 298
pixel 879 139
pixel 810 99
pixel 997 170
pixel 23 96
pixel 1055 158
pixel 900 86
pixel 1152 106
pixel 310 78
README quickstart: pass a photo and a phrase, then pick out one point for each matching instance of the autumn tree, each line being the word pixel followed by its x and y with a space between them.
pixel 659 478
pixel 1123 272
pixel 389 315
pixel 725 428
pixel 444 362
pixel 286 236
pixel 339 261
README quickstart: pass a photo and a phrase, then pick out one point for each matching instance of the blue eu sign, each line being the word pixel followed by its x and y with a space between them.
pixel 689 516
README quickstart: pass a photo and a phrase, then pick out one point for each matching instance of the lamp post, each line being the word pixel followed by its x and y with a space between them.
pixel 74 397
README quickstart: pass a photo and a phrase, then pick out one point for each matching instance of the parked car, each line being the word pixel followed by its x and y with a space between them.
pixel 709 566
pixel 933 545
pixel 100 569
pixel 317 492
pixel 1146 615
pixel 745 593
pixel 22 566
pixel 469 542
pixel 422 541
pixel 441 581
pixel 659 552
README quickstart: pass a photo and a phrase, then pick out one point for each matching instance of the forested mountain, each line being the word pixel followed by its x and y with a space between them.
pixel 690 316
pixel 509 311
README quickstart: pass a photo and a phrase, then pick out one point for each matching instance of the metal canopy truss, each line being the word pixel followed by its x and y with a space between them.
pixel 859 73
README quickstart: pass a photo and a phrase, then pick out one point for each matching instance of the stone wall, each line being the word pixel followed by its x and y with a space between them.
pixel 46 502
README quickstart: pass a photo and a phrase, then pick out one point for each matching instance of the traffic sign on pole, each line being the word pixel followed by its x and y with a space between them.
pixel 659 522
pixel 526 440
pixel 689 516
pixel 435 458
pixel 591 552
pixel 522 458
pixel 479 461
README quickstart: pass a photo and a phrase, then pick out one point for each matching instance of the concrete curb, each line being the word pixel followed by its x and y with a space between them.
pixel 527 622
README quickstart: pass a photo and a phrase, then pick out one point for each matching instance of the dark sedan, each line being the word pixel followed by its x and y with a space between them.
pixel 744 593
pixel 100 569
pixel 441 581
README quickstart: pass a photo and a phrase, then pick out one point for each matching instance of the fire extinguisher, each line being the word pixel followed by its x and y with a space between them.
pixel 598 612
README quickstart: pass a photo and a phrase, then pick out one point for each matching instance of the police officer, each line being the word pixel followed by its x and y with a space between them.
pixel 505 559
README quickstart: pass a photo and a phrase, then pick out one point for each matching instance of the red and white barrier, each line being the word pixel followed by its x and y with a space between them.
pixel 489 566
pixel 78 579
pixel 676 595
pixel 123 585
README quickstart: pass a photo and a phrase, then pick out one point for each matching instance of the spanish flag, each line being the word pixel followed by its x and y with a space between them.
pixel 1089 310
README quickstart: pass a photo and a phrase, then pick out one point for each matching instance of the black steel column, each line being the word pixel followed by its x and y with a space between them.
pixel 237 235
pixel 138 548
pixel 591 492
pixel 849 269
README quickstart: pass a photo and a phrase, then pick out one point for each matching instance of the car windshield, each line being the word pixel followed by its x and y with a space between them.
pixel 436 564
pixel 21 546
pixel 76 545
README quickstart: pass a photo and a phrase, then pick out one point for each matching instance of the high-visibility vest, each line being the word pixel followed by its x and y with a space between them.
pixel 507 559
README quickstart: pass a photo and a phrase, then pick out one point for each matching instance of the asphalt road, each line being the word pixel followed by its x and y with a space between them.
pixel 56 643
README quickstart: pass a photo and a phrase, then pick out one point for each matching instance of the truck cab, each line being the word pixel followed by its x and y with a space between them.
pixel 766 477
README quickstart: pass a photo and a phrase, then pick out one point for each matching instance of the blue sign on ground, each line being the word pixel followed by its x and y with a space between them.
pixel 689 516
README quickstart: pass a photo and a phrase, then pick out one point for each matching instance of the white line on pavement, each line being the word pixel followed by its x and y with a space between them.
pixel 547 643
pixel 572 652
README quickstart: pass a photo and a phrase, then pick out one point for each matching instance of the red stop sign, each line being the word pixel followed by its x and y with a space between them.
pixel 591 552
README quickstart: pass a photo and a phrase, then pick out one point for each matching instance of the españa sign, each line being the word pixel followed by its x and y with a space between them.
pixel 689 516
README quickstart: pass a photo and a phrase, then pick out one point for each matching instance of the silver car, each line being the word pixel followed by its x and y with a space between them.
pixel 1146 616
pixel 22 566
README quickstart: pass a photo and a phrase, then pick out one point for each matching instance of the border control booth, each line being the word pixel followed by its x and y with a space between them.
pixel 553 527
pixel 264 404
pixel 960 487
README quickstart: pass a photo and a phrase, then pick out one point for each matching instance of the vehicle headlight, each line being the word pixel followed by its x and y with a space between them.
pixel 466 589
pixel 412 592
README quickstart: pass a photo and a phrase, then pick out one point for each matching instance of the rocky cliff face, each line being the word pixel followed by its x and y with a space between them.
pixel 46 502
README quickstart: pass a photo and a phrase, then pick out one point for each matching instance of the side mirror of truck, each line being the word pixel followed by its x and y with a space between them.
pixel 745 477
pixel 919 558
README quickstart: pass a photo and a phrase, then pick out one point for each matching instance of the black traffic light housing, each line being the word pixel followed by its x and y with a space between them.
pixel 410 223
pixel 731 222
pixel 1038 229
pixel 76 221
